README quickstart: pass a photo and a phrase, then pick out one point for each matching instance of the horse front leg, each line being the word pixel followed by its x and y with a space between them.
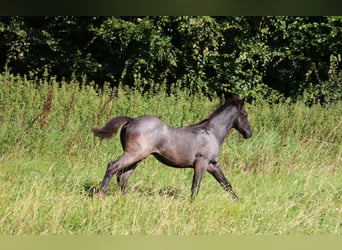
pixel 216 171
pixel 200 167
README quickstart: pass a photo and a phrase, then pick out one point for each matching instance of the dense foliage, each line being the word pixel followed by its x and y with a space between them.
pixel 274 57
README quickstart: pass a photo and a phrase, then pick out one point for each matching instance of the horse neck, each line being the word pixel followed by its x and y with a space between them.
pixel 221 123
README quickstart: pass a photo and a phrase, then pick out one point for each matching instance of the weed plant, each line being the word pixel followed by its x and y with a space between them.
pixel 288 175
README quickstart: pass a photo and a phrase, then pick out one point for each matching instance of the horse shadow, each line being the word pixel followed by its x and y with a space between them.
pixel 91 189
pixel 164 191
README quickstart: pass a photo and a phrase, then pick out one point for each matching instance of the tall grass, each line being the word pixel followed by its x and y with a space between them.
pixel 288 175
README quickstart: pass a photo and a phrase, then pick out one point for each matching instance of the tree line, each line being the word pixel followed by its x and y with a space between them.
pixel 258 57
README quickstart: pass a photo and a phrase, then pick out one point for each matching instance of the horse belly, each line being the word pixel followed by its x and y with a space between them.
pixel 173 161
pixel 176 154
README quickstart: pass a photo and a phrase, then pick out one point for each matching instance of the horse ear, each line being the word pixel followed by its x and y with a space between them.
pixel 242 101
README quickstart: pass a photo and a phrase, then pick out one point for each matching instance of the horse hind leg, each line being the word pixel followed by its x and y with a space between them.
pixel 113 168
pixel 106 179
pixel 123 176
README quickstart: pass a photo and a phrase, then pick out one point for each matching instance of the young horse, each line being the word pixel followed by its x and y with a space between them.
pixel 196 146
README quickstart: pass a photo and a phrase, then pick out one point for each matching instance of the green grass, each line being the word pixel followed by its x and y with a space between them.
pixel 288 175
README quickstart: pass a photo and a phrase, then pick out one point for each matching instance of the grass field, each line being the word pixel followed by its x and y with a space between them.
pixel 288 175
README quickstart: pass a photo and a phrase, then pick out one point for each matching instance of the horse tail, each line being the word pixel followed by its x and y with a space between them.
pixel 111 127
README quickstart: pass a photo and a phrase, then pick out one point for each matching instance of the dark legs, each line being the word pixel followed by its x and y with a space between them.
pixel 200 167
pixel 216 171
pixel 123 167
pixel 123 176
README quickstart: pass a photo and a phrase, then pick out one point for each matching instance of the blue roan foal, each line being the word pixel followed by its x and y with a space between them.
pixel 196 146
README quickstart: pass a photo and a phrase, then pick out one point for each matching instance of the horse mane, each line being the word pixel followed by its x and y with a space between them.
pixel 230 101
pixel 204 124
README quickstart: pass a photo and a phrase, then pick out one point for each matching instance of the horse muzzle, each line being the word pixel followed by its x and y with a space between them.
pixel 247 134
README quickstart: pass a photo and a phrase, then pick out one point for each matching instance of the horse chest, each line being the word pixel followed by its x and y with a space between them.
pixel 206 148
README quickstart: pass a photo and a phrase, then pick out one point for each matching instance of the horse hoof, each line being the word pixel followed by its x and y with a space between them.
pixel 235 198
pixel 101 196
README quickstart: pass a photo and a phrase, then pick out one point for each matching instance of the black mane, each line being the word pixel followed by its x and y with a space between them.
pixel 231 101
pixel 204 124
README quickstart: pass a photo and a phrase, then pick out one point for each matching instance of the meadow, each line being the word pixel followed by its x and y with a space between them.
pixel 288 175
